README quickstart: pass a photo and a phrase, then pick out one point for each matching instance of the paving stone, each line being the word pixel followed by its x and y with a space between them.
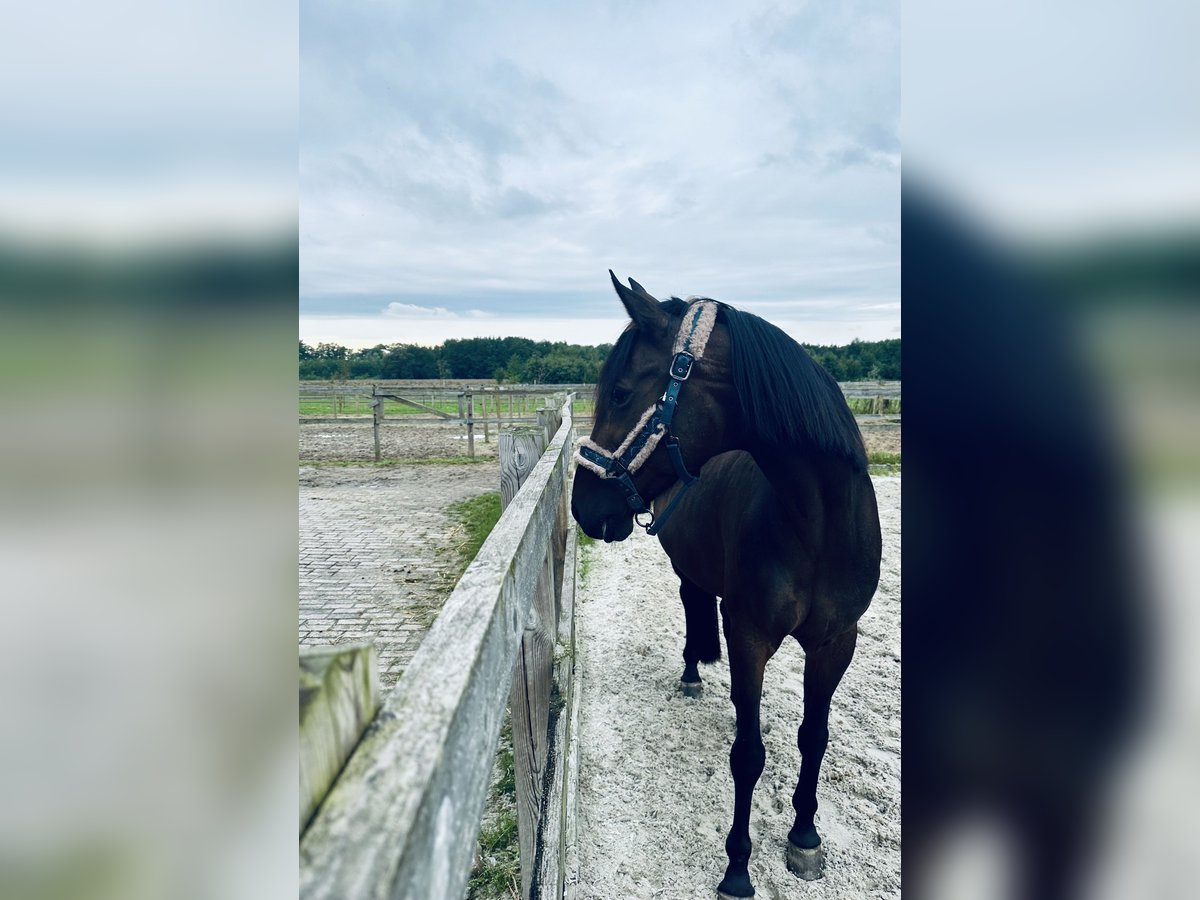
pixel 375 547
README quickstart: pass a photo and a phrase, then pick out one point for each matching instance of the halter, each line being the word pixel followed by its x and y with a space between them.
pixel 655 423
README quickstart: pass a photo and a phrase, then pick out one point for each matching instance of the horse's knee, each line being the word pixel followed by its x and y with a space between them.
pixel 812 737
pixel 747 758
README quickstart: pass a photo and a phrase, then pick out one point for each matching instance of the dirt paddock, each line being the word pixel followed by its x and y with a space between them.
pixel 655 793
pixel 397 440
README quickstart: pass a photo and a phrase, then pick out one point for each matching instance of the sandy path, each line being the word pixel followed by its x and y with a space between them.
pixel 656 795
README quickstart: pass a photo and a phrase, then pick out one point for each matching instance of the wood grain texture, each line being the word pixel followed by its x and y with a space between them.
pixel 519 450
pixel 558 868
pixel 533 676
pixel 533 681
pixel 339 693
pixel 403 818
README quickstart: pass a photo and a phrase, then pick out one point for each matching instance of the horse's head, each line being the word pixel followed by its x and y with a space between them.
pixel 626 458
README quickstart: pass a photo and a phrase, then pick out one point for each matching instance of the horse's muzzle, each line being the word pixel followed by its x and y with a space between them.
pixel 600 512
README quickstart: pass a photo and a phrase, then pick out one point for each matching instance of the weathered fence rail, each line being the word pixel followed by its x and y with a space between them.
pixel 403 817
pixel 474 408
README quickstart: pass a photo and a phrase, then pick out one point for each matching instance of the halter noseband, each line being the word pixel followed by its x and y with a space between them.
pixel 655 423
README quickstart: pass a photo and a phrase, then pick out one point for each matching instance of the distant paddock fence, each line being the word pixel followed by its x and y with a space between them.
pixel 403 817
pixel 480 410
pixel 872 398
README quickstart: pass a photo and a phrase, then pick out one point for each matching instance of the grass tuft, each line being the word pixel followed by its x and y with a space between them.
pixel 475 517
pixel 867 406
pixel 497 870
pixel 585 556
pixel 881 462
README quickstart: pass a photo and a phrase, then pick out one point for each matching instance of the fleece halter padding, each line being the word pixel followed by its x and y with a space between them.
pixel 655 423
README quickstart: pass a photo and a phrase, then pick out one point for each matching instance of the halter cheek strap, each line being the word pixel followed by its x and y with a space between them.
pixel 655 423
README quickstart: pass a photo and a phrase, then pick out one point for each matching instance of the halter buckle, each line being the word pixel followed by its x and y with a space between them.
pixel 681 366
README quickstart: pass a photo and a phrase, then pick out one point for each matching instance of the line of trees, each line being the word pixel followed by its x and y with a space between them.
pixel 522 361
pixel 506 360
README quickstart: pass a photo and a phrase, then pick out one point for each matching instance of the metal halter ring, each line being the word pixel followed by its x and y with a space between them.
pixel 640 523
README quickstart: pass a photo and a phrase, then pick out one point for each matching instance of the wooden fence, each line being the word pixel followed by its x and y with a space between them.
pixel 337 401
pixel 403 818
pixel 478 409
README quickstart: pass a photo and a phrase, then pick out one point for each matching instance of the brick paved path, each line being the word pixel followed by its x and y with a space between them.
pixel 377 553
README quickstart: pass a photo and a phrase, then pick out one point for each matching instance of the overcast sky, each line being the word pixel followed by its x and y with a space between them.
pixel 475 169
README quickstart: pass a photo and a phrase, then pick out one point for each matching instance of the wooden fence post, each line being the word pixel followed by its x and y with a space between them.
pixel 470 424
pixel 377 417
pixel 549 419
pixel 462 410
pixel 483 395
pixel 533 676
pixel 339 694
pixel 559 866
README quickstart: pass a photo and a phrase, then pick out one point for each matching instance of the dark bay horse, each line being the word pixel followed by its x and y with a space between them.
pixel 782 523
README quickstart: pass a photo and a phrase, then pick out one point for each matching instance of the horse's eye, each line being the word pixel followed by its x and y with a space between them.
pixel 620 396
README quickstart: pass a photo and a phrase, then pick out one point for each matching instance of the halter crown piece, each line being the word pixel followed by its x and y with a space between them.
pixel 655 422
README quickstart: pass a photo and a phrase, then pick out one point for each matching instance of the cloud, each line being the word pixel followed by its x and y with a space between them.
pixel 512 153
pixel 413 311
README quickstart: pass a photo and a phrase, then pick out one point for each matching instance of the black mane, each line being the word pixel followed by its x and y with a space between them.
pixel 787 400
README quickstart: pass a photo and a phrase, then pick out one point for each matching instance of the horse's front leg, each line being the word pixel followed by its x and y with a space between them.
pixel 748 655
pixel 823 670
pixel 702 641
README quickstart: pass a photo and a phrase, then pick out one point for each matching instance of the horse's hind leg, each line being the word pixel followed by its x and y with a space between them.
pixel 702 642
pixel 823 670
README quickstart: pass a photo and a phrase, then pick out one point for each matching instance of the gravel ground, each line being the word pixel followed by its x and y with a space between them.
pixel 655 793
pixel 320 441
pixel 883 437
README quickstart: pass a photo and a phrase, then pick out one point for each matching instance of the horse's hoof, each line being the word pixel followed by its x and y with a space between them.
pixel 809 864
pixel 691 688
pixel 735 887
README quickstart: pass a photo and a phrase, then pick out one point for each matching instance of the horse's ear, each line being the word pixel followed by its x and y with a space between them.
pixel 646 312
pixel 638 289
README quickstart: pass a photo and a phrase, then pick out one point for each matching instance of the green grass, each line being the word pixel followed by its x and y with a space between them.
pixel 880 462
pixel 498 867
pixel 476 516
pixel 360 405
pixel 863 406
pixel 585 557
